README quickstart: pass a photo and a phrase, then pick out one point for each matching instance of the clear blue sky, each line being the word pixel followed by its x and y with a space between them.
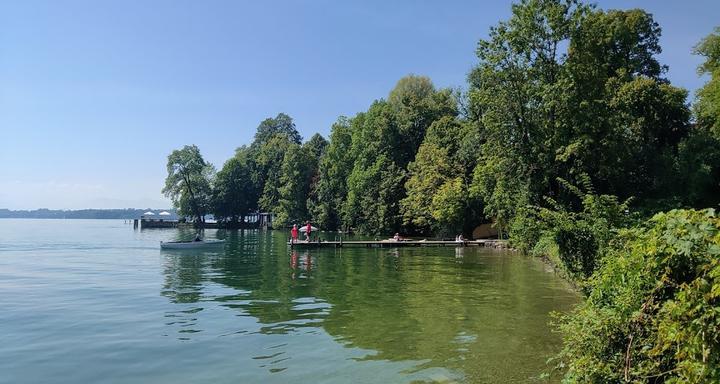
pixel 95 94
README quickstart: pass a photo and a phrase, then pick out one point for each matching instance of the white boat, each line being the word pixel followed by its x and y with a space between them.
pixel 190 244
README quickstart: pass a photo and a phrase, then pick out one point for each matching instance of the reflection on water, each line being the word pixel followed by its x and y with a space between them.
pixel 90 301
pixel 458 314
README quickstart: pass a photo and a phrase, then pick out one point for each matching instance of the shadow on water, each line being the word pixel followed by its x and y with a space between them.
pixel 478 315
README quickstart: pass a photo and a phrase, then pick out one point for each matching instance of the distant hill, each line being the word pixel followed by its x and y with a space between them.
pixel 128 213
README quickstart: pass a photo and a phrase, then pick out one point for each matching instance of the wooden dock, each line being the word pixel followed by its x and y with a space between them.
pixel 396 244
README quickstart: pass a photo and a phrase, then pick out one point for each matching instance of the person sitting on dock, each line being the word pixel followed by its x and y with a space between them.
pixel 397 237
pixel 460 238
pixel 294 233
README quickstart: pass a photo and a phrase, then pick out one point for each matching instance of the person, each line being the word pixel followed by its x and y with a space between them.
pixel 308 229
pixel 460 238
pixel 396 237
pixel 294 233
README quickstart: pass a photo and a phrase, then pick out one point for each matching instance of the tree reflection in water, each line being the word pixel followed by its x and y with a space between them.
pixel 471 311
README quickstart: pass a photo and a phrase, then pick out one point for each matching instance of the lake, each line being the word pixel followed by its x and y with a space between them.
pixel 94 301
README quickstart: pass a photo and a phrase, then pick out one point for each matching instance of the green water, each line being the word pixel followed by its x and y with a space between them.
pixel 93 301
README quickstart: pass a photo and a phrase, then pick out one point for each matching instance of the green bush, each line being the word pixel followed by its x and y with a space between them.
pixel 578 246
pixel 577 236
pixel 653 312
pixel 526 228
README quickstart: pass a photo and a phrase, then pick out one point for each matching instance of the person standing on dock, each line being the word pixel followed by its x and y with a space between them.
pixel 294 233
pixel 308 229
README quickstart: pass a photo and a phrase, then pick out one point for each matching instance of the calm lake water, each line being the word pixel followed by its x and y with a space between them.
pixel 94 301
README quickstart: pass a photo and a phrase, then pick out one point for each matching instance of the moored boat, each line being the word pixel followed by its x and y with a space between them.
pixel 189 244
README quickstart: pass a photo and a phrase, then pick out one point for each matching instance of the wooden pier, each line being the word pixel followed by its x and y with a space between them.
pixel 396 244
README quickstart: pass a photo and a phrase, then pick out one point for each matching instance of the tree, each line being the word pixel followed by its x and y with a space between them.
pixel 443 165
pixel 698 161
pixel 598 108
pixel 374 193
pixel 375 149
pixel 518 88
pixel 234 192
pixel 624 121
pixel 698 170
pixel 188 182
pixel 282 124
pixel 416 105
pixel 431 169
pixel 316 146
pixel 273 137
pixel 334 168
pixel 385 139
pixel 449 207
pixel 295 180
pixel 707 105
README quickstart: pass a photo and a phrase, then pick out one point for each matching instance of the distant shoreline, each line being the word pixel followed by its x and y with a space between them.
pixel 109 214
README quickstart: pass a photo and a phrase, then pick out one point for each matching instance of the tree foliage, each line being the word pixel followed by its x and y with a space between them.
pixel 333 170
pixel 281 125
pixel 188 183
pixel 384 140
pixel 599 108
pixel 372 204
pixel 235 193
pixel 707 107
pixel 518 87
pixel 562 91
pixel 296 173
pixel 437 183
pixel 273 138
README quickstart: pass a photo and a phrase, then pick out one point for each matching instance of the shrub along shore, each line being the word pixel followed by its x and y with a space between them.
pixel 569 138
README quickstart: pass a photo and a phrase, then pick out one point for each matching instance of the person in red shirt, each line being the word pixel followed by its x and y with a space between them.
pixel 308 229
pixel 294 233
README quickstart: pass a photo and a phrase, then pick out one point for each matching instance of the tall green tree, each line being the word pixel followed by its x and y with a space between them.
pixel 624 120
pixel 518 89
pixel 600 108
pixel 281 124
pixel 234 191
pixel 269 158
pixel 375 135
pixel 295 181
pixel 374 194
pixel 385 139
pixel 334 168
pixel 315 148
pixel 188 183
pixel 272 139
pixel 698 161
pixel 437 179
pixel 707 106
pixel 416 105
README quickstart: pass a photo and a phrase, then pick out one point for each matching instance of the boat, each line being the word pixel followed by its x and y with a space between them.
pixel 190 244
